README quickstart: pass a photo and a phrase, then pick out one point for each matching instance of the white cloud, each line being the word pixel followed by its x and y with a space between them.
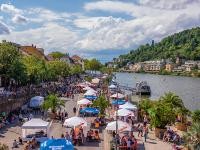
pixel 19 19
pixel 97 22
pixel 4 29
pixel 167 4
pixel 148 23
pixel 44 15
pixel 8 8
pixel 51 37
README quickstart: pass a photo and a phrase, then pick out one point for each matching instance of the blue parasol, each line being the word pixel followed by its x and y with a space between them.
pixel 90 110
pixel 90 97
pixel 118 102
pixel 56 144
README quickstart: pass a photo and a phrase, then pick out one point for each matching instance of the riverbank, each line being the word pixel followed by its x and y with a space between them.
pixel 194 74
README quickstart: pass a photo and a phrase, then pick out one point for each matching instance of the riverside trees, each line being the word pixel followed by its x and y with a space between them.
pixel 29 69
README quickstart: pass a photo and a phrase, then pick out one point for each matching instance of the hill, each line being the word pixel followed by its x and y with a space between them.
pixel 184 44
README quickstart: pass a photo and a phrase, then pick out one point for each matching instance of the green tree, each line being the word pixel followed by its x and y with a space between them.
pixel 35 69
pixel 177 105
pixel 173 100
pixel 196 116
pixel 76 69
pixel 9 56
pixel 102 103
pixel 144 105
pixel 53 102
pixel 57 69
pixel 161 115
pixel 93 65
pixel 57 55
pixel 17 71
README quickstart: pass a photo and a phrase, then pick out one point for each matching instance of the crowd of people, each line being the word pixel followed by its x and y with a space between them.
pixel 76 136
pixel 125 141
pixel 64 87
pixel 171 136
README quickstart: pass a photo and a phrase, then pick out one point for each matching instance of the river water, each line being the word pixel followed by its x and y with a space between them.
pixel 187 88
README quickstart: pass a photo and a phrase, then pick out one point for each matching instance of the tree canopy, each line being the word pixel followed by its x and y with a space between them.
pixel 57 55
pixel 93 64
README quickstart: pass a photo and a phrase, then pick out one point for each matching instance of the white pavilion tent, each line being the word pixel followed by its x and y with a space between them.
pixel 75 121
pixel 122 126
pixel 84 101
pixel 95 80
pixel 34 126
pixel 87 88
pixel 128 106
pixel 124 112
pixel 90 92
pixel 36 101
pixel 117 95
pixel 112 86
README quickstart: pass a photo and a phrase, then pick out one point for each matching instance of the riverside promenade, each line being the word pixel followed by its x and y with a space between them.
pixel 9 134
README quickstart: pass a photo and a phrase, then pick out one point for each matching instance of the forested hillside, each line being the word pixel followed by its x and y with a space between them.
pixel 184 44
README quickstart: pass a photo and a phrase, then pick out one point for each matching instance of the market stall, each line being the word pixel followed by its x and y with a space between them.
pixel 36 101
pixel 36 128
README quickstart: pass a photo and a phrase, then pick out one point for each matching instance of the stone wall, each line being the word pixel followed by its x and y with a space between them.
pixel 10 104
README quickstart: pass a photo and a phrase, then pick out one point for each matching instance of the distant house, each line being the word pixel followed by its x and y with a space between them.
pixel 33 51
pixel 178 69
pixel 78 60
pixel 153 66
pixel 169 67
pixel 49 58
pixel 67 59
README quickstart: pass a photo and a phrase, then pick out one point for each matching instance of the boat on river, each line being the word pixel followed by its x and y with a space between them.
pixel 142 88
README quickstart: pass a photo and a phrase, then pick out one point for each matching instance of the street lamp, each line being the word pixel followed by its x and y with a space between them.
pixel 117 118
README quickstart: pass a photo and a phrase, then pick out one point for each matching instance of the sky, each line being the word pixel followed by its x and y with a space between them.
pixel 100 29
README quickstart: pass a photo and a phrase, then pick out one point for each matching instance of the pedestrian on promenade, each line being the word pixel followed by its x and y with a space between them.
pixel 140 130
pixel 146 131
pixel 66 114
pixel 74 110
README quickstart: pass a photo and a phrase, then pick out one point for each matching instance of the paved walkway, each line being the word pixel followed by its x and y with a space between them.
pixel 7 135
pixel 57 128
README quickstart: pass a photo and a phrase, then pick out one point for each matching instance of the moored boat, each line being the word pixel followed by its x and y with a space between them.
pixel 142 88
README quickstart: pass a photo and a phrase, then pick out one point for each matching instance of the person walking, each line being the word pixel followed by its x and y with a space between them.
pixel 146 131
pixel 74 110
pixel 140 128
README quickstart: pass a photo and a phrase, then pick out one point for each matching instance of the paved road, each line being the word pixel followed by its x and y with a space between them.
pixel 57 128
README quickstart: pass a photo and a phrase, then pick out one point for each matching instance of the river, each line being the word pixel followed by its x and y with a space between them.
pixel 187 88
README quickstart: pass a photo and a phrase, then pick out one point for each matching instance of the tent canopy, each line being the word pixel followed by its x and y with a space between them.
pixel 90 97
pixel 56 144
pixel 122 126
pixel 36 101
pixel 112 86
pixel 129 106
pixel 117 95
pixel 118 102
pixel 84 101
pixel 124 112
pixel 90 92
pixel 95 80
pixel 87 88
pixel 35 123
pixel 90 110
pixel 75 121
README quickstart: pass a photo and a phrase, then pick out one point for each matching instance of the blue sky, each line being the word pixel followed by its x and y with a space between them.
pixel 100 29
